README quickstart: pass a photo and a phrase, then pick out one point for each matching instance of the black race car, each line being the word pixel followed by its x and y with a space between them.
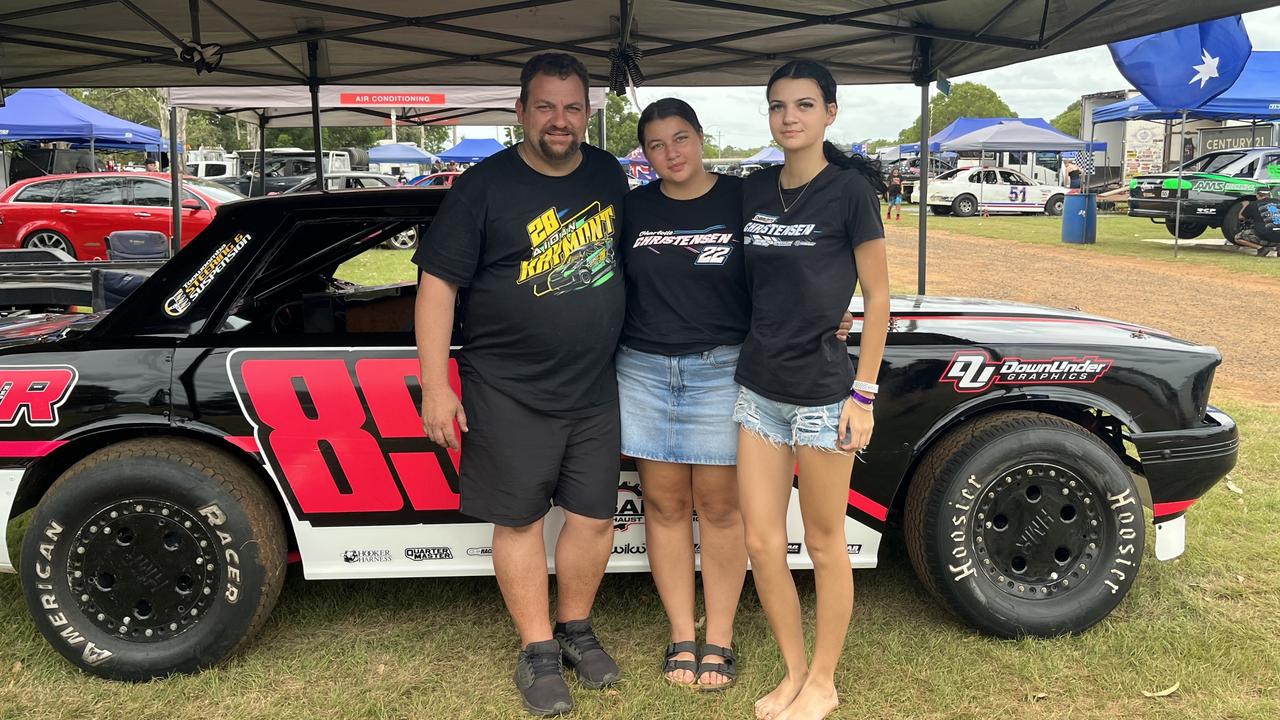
pixel 1215 188
pixel 246 406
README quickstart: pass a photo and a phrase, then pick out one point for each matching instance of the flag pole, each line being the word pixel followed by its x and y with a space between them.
pixel 1177 205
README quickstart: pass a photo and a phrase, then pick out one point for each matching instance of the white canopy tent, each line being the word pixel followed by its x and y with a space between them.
pixel 360 105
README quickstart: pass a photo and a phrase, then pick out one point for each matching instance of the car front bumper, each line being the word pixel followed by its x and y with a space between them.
pixel 1181 466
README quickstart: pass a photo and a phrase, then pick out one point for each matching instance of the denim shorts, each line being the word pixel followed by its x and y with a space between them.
pixel 895 199
pixel 786 424
pixel 679 409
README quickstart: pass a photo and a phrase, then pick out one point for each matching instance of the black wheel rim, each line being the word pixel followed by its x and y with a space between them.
pixel 144 569
pixel 1038 529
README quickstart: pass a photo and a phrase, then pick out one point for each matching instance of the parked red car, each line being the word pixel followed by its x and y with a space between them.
pixel 440 179
pixel 74 213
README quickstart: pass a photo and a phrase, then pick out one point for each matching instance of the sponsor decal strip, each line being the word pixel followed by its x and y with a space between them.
pixel 1024 318
pixel 1169 508
pixel 868 506
pixel 29 448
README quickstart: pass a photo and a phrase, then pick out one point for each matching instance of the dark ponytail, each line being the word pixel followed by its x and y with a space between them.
pixel 810 70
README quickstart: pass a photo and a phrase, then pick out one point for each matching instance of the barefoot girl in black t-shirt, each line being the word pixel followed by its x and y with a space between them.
pixel 812 231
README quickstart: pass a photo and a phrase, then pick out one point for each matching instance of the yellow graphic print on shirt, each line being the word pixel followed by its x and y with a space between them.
pixel 570 253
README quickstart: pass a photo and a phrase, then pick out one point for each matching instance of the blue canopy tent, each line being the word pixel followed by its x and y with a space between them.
pixel 401 153
pixel 1255 96
pixel 472 150
pixel 767 156
pixel 50 115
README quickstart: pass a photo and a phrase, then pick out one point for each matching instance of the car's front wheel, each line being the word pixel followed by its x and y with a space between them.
pixel 1233 219
pixel 406 240
pixel 152 557
pixel 1025 524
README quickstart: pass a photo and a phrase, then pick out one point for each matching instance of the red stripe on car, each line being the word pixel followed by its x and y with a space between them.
pixel 29 448
pixel 1169 508
pixel 248 443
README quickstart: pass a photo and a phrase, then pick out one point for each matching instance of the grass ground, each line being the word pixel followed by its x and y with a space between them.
pixel 1208 622
pixel 1117 235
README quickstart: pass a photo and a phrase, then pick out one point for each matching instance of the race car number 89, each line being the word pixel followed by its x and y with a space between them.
pixel 344 433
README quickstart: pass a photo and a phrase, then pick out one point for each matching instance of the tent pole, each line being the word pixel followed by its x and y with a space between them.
pixel 1177 203
pixel 601 131
pixel 922 187
pixel 1084 188
pixel 175 183
pixel 262 154
pixel 313 52
pixel 393 126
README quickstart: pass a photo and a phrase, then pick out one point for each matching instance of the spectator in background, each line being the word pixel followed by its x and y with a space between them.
pixel 152 165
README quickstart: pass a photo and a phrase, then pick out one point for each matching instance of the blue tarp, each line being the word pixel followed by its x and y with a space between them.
pixel 400 153
pixel 472 150
pixel 1254 96
pixel 767 156
pixel 48 115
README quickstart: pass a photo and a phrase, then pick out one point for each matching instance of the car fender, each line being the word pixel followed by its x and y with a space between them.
pixel 24 230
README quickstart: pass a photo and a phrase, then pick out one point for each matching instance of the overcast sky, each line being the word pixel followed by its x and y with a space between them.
pixel 1038 88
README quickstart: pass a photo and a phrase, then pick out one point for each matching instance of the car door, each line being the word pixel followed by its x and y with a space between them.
pixel 150 205
pixel 994 194
pixel 1021 195
pixel 92 207
pixel 320 381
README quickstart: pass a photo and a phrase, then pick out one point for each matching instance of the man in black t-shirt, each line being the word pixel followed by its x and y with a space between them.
pixel 530 237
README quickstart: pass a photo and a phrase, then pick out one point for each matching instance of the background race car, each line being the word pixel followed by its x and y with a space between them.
pixel 1215 188
pixel 966 191
pixel 252 401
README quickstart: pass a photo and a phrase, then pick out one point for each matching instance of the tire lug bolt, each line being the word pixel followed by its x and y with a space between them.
pixel 106 531
pixel 207 590
pixel 1093 546
pixel 1083 567
pixel 186 523
pixel 137 508
pixel 84 598
pixel 194 612
pixel 1001 578
pixel 164 511
pixel 149 633
pixel 1053 576
pixel 80 550
pixel 93 528
pixel 101 617
pixel 1072 483
pixel 204 543
pixel 1065 582
pixel 988 526
pixel 986 561
pixel 115 514
pixel 173 626
pixel 1066 491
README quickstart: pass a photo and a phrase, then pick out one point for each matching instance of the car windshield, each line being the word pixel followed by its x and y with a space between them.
pixel 1213 162
pixel 216 191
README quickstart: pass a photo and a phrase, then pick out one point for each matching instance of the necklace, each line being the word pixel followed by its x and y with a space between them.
pixel 783 200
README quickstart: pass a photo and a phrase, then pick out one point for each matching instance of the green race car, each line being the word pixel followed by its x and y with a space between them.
pixel 588 266
pixel 1215 188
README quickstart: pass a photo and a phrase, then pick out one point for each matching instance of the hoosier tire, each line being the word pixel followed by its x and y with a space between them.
pixel 1024 524
pixel 152 557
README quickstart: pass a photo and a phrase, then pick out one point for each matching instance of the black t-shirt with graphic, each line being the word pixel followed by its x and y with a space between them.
pixel 543 301
pixel 686 277
pixel 802 273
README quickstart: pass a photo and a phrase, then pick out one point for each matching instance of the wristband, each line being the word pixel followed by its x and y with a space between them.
pixel 866 386
pixel 860 398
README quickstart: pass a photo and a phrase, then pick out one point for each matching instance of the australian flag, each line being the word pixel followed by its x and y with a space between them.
pixel 1183 68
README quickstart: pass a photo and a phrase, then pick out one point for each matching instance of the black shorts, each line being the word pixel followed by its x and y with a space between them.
pixel 516 461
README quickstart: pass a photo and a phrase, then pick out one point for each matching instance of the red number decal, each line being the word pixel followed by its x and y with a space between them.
pixel 384 383
pixel 34 391
pixel 295 437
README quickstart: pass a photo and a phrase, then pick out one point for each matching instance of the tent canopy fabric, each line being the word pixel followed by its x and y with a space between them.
pixel 767 156
pixel 1254 96
pixel 472 150
pixel 964 126
pixel 48 115
pixel 361 105
pixel 400 153
pixel 101 43
pixel 1014 135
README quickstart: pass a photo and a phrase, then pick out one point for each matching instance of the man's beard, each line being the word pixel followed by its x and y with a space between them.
pixel 550 153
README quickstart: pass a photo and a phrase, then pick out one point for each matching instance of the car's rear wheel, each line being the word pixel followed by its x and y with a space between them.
pixel 964 206
pixel 1187 230
pixel 152 557
pixel 50 239
pixel 1054 206
pixel 406 240
pixel 1025 524
pixel 1231 221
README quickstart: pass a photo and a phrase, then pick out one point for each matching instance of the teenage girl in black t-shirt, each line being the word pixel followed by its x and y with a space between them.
pixel 812 231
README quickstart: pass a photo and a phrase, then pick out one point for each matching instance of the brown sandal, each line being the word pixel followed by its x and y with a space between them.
pixel 670 664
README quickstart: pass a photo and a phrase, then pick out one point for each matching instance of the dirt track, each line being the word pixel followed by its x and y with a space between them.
pixel 1237 313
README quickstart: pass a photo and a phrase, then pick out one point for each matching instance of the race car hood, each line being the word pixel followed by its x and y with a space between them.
pixel 27 329
pixel 983 321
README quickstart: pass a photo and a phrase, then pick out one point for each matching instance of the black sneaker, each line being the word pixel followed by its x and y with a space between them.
pixel 583 653
pixel 539 680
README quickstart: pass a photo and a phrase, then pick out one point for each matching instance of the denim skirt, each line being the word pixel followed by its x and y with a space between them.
pixel 679 409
